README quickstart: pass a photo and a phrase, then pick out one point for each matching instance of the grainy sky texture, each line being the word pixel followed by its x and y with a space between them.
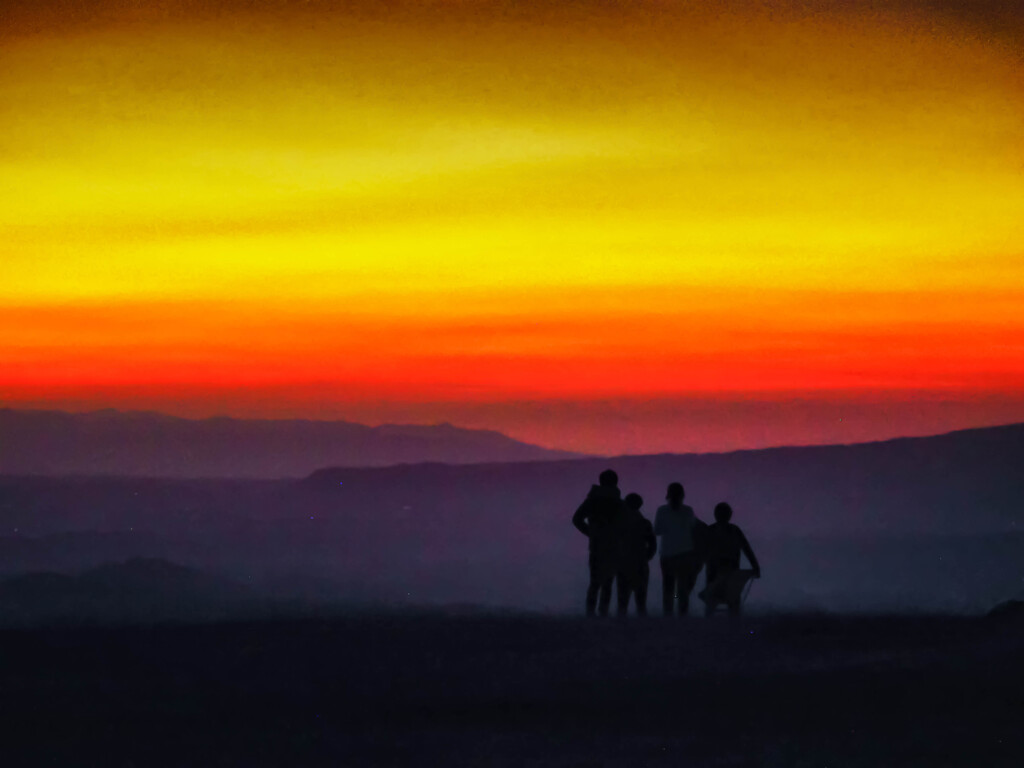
pixel 556 219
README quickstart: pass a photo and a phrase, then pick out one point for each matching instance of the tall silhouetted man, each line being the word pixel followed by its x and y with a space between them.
pixel 681 544
pixel 599 518
pixel 637 546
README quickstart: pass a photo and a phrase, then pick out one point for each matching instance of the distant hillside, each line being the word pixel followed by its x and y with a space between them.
pixel 154 445
pixel 966 481
pixel 929 523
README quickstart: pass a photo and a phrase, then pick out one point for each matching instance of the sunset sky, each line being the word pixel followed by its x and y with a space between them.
pixel 607 226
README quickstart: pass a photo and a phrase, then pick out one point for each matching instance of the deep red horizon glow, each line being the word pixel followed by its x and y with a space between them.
pixel 603 427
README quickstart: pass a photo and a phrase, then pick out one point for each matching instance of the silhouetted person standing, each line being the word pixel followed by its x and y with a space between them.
pixel 599 518
pixel 637 546
pixel 725 543
pixel 681 557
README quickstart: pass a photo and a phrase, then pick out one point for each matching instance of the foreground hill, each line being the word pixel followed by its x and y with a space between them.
pixel 391 690
pixel 155 445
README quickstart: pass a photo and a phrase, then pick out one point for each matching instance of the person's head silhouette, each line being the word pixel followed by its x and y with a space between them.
pixel 675 494
pixel 723 512
pixel 634 501
pixel 608 478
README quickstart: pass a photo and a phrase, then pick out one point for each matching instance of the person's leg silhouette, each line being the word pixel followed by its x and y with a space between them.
pixel 668 586
pixel 640 595
pixel 605 597
pixel 623 591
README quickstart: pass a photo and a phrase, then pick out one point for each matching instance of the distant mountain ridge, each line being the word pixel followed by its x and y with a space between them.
pixel 924 523
pixel 147 444
pixel 966 480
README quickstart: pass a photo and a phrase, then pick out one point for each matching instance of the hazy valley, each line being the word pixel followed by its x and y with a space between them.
pixel 922 524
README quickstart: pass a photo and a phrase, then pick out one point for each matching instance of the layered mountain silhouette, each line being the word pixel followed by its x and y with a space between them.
pixel 958 482
pixel 137 444
pixel 928 523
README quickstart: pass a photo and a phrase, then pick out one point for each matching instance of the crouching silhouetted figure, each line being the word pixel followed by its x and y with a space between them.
pixel 599 518
pixel 725 580
pixel 681 549
pixel 637 546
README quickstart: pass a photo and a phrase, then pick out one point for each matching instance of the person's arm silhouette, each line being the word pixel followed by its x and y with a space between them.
pixel 581 521
pixel 749 552
pixel 650 540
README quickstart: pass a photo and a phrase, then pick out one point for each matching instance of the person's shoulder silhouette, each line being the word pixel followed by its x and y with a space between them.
pixel 600 510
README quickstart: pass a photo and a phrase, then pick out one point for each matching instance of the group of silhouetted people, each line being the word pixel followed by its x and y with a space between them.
pixel 623 542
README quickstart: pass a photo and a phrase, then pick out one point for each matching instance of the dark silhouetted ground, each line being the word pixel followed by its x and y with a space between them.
pixel 420 690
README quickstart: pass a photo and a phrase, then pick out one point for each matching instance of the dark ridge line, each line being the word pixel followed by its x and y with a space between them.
pixel 668 455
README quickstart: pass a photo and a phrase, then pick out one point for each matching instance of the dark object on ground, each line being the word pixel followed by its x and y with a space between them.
pixel 729 588
pixel 1008 609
